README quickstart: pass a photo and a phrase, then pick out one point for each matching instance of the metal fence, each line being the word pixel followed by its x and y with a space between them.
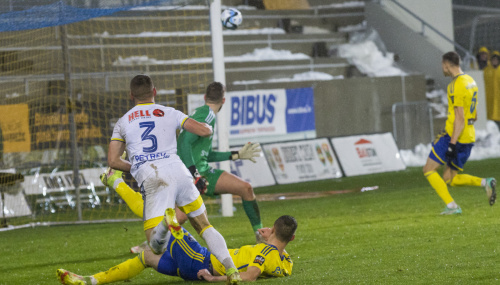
pixel 485 32
pixel 412 123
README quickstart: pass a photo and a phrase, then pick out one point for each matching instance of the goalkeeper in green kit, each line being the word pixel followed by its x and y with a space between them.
pixel 196 152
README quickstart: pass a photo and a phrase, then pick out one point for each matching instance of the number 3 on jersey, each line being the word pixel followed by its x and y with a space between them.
pixel 147 136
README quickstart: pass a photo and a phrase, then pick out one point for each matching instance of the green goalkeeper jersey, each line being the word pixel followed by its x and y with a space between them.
pixel 196 150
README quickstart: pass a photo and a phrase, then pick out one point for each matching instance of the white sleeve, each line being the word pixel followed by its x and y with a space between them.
pixel 181 119
pixel 117 134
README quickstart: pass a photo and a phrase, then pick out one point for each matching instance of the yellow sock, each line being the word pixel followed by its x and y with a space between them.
pixel 132 198
pixel 439 185
pixel 465 179
pixel 122 271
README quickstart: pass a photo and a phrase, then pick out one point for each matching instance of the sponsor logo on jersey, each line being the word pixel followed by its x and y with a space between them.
pixel 158 113
pixel 151 156
pixel 259 259
pixel 138 114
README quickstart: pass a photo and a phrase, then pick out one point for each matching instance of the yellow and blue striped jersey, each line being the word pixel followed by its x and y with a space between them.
pixel 462 92
pixel 263 256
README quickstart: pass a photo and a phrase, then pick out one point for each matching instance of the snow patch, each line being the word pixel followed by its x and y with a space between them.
pixel 369 59
pixel 305 76
pixel 350 4
pixel 189 7
pixel 264 31
pixel 439 102
pixel 262 54
pixel 353 28
pixel 487 145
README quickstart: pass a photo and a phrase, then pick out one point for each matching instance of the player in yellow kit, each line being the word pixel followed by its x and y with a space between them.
pixel 453 146
pixel 186 258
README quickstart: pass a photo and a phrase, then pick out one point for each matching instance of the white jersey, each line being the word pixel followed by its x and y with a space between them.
pixel 149 132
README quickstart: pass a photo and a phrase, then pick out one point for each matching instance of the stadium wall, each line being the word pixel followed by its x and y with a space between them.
pixel 355 105
pixel 439 14
pixel 415 51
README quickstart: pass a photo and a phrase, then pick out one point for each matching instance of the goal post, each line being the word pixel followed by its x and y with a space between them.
pixel 220 76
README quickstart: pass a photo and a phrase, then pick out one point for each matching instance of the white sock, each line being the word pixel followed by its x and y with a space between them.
pixel 93 280
pixel 117 181
pixel 483 182
pixel 159 238
pixel 452 205
pixel 217 246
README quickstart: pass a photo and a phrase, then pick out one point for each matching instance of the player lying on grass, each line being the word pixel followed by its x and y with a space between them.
pixel 453 146
pixel 186 258
pixel 195 152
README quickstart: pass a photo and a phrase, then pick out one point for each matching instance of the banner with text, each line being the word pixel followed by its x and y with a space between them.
pixel 14 128
pixel 300 161
pixel 270 112
pixel 44 183
pixel 368 154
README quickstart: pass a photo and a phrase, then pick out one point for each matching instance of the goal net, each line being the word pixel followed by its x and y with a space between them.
pixel 65 70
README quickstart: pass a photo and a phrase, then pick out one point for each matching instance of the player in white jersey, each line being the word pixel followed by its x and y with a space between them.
pixel 148 133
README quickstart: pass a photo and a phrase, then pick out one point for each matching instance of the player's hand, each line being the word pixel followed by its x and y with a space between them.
pixel 204 274
pixel 451 153
pixel 200 182
pixel 249 151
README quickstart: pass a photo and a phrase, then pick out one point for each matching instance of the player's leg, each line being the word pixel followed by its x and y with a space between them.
pixel 215 243
pixel 454 179
pixel 228 183
pixel 123 271
pixel 159 194
pixel 113 179
pixel 190 202
pixel 434 161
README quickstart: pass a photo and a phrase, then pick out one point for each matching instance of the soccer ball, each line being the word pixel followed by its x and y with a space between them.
pixel 231 18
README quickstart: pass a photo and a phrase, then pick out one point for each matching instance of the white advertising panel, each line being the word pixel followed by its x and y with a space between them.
pixel 258 174
pixel 368 154
pixel 15 205
pixel 300 161
pixel 266 115
pixel 60 181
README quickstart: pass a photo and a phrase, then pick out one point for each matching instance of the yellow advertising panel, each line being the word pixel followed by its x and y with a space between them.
pixel 14 123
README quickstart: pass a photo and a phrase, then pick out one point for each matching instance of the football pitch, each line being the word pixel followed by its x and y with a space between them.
pixel 393 235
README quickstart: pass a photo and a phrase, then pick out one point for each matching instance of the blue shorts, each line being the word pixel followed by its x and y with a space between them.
pixel 440 146
pixel 184 258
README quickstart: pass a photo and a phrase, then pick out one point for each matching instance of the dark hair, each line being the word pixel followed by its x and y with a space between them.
pixel 285 227
pixel 215 92
pixel 141 87
pixel 452 57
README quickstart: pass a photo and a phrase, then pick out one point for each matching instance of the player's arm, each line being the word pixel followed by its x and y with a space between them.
pixel 197 128
pixel 115 151
pixel 458 125
pixel 251 274
pixel 249 151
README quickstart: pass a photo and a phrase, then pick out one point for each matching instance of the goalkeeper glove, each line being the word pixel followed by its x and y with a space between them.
pixel 249 151
pixel 451 153
pixel 200 182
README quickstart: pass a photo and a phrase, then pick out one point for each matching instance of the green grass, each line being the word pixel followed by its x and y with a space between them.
pixel 393 235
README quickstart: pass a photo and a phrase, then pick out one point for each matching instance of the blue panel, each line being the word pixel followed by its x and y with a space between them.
pixel 300 110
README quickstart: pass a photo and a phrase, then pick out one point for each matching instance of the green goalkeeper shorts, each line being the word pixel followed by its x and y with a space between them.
pixel 212 175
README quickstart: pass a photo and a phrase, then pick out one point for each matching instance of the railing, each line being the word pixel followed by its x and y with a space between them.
pixel 468 56
pixel 412 123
